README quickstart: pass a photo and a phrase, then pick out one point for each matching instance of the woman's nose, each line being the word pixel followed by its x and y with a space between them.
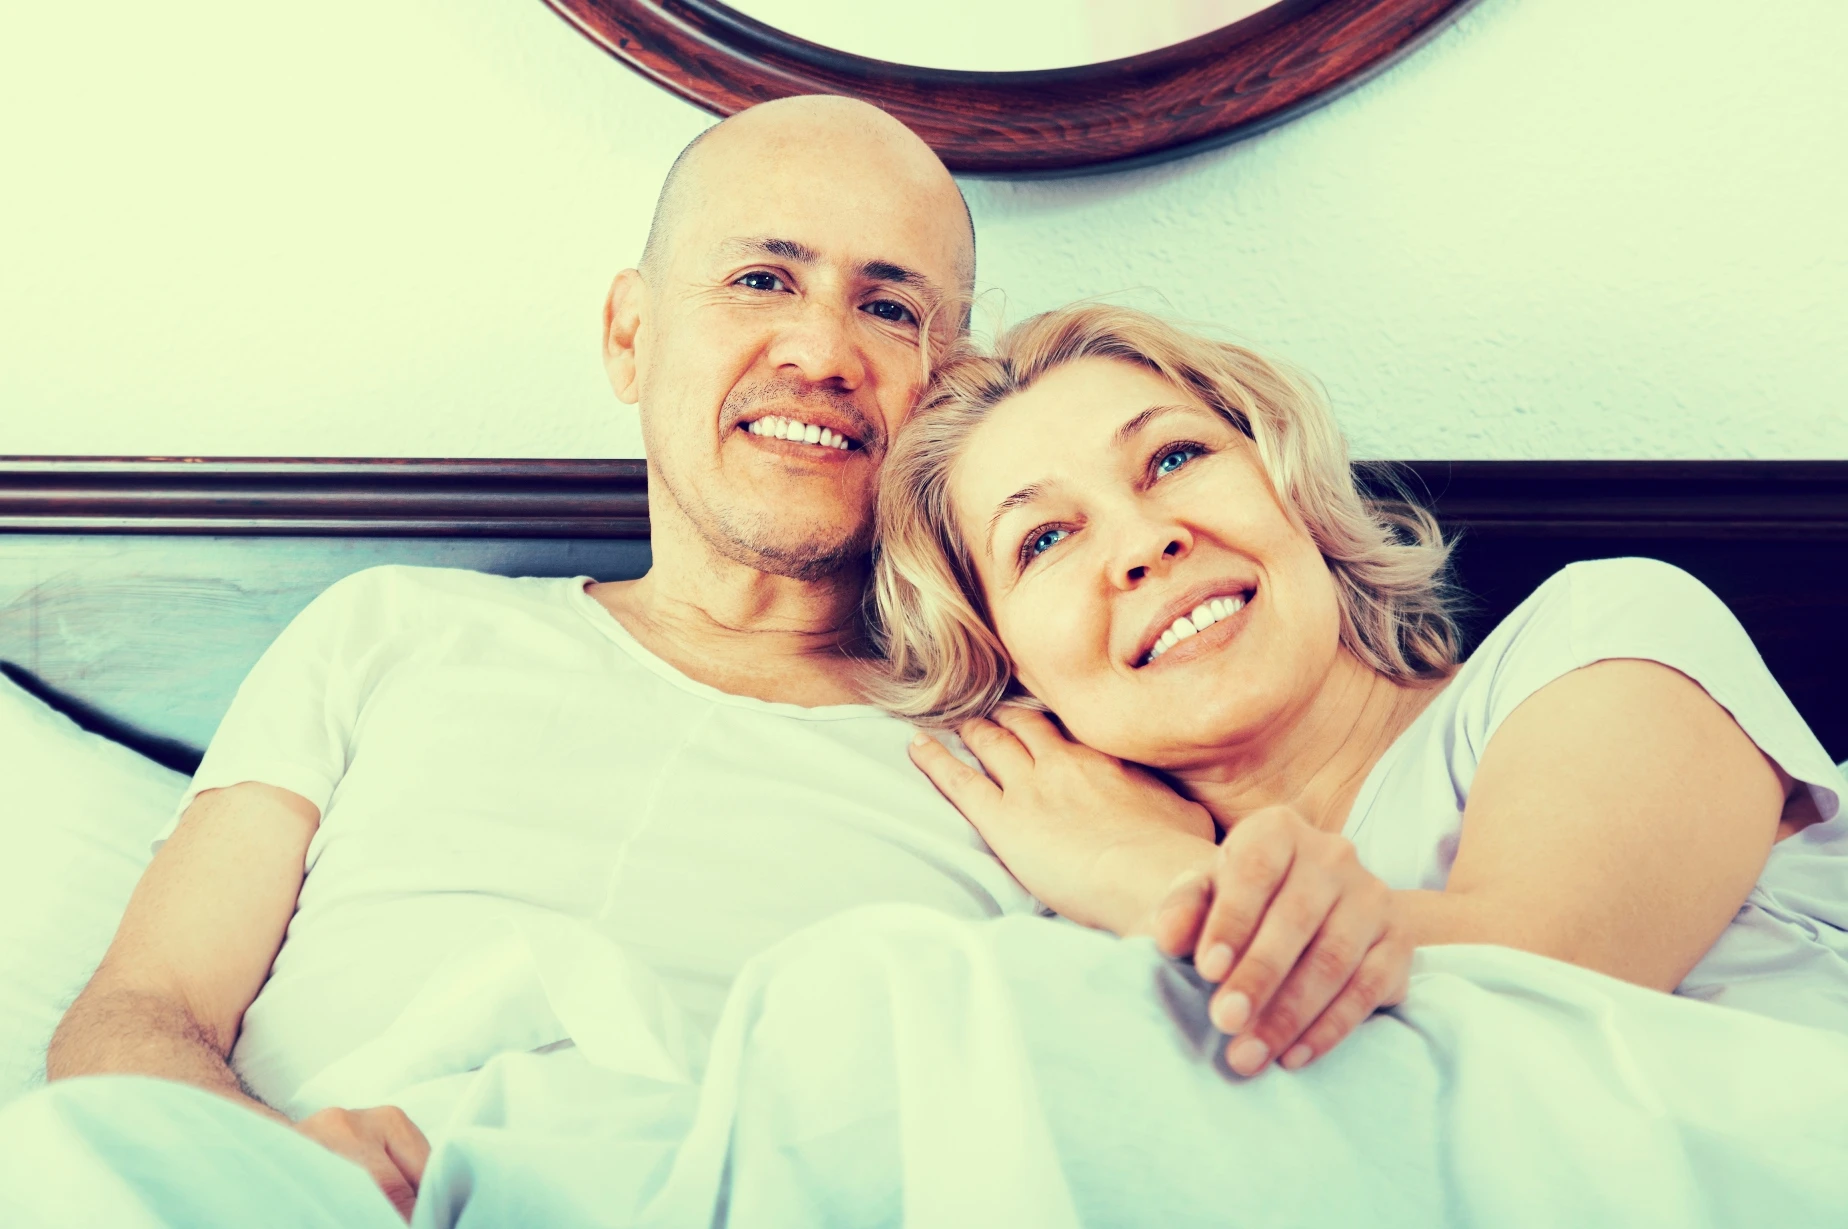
pixel 1152 555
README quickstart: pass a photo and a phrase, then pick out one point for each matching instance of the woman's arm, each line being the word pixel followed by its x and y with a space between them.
pixel 1303 941
pixel 1617 820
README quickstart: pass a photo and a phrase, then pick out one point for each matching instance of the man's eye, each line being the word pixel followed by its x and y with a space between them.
pixel 1174 458
pixel 1044 542
pixel 757 279
pixel 886 309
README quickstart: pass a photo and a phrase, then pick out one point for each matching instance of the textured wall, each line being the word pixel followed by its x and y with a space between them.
pixel 1592 228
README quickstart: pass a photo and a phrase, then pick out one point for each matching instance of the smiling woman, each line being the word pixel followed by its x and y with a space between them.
pixel 1242 413
pixel 1156 540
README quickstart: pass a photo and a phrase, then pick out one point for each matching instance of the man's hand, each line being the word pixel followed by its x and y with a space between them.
pixel 1306 942
pixel 1095 839
pixel 381 1141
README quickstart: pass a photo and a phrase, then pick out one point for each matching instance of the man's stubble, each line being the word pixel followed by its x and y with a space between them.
pixel 751 536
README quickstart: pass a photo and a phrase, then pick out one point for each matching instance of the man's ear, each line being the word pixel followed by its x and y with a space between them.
pixel 622 324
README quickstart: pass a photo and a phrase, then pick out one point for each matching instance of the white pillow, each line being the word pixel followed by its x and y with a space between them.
pixel 76 814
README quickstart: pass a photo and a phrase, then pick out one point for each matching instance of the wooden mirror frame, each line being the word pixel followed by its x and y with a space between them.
pixel 1231 83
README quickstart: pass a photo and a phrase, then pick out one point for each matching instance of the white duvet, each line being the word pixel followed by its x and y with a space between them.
pixel 893 1066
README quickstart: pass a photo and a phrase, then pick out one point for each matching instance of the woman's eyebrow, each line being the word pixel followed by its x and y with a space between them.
pixel 1146 417
pixel 1025 495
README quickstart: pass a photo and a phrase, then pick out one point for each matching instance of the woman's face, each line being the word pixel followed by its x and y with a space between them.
pixel 1104 506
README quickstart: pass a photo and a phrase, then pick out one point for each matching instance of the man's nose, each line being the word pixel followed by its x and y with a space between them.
pixel 818 347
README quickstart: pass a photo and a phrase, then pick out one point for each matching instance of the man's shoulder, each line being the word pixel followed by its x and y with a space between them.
pixel 384 602
pixel 401 583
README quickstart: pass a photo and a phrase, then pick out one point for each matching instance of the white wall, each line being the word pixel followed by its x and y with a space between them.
pixel 1565 228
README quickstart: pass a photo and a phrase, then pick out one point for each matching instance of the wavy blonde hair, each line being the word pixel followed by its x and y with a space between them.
pixel 929 617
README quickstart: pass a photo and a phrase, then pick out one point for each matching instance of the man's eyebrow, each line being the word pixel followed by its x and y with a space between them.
pixel 1025 495
pixel 887 271
pixel 1146 417
pixel 898 275
pixel 782 249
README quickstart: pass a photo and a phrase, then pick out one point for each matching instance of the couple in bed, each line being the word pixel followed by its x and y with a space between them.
pixel 1103 543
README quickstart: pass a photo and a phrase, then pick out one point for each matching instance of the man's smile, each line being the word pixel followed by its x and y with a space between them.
pixel 795 431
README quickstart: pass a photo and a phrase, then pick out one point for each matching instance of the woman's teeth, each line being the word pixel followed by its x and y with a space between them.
pixel 1196 621
pixel 800 432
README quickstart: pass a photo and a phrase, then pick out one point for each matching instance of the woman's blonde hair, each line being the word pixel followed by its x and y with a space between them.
pixel 929 617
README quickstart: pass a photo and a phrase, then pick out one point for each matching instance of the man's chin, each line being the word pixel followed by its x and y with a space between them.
pixel 808 563
pixel 811 557
pixel 795 531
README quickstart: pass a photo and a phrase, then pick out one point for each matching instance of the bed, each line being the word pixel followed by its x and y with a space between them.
pixel 136 592
pixel 1508 1090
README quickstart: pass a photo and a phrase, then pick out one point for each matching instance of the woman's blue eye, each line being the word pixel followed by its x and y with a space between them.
pixel 1172 461
pixel 1046 541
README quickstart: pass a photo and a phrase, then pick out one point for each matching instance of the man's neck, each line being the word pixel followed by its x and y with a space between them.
pixel 744 631
pixel 1316 762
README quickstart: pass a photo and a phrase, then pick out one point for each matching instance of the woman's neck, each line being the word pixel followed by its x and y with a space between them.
pixel 1317 762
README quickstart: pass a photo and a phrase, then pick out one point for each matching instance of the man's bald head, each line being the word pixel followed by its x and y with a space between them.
pixel 808 259
pixel 668 207
pixel 839 136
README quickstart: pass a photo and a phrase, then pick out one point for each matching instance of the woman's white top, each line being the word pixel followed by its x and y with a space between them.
pixel 1786 952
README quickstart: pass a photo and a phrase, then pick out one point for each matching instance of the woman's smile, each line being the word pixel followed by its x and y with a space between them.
pixel 1206 620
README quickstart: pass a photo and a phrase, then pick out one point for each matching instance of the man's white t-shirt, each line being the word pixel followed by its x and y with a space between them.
pixel 484 749
pixel 1785 953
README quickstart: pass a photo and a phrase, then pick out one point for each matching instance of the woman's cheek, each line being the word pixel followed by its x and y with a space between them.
pixel 1039 664
pixel 1062 657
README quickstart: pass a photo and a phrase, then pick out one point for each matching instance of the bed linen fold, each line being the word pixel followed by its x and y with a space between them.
pixel 896 1066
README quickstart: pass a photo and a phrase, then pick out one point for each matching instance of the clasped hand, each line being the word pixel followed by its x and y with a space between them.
pixel 1301 940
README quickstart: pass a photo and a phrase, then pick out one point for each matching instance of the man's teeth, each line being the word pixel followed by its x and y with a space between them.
pixel 1196 621
pixel 801 432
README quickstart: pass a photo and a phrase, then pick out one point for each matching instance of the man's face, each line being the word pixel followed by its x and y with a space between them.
pixel 784 338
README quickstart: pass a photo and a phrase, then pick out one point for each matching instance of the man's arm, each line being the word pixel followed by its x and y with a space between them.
pixel 194 946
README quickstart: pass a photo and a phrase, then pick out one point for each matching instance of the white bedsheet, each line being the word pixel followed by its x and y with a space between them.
pixel 896 1066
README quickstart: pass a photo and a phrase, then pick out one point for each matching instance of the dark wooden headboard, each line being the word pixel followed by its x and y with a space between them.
pixel 135 593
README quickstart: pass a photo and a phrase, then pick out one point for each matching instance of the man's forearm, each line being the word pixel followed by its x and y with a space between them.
pixel 126 1032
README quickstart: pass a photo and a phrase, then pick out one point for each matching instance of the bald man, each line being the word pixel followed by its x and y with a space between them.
pixel 428 761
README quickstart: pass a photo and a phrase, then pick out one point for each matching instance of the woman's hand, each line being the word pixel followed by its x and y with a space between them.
pixel 1306 942
pixel 1093 838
